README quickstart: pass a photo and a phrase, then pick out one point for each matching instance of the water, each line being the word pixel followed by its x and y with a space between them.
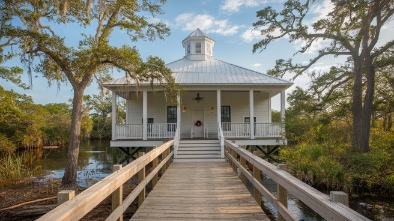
pixel 96 160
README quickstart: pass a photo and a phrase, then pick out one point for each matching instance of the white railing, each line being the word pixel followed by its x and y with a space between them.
pixel 161 130
pixel 155 131
pixel 221 139
pixel 128 131
pixel 269 129
pixel 176 142
pixel 262 130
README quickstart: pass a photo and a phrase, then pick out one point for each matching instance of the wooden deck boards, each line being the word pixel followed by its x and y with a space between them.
pixel 199 191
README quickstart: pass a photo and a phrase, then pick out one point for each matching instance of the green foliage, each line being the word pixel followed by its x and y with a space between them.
pixel 6 145
pixel 275 116
pixel 13 172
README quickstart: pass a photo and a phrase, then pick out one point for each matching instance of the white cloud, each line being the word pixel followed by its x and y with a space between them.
pixel 314 48
pixel 207 23
pixel 251 34
pixel 235 5
pixel 257 65
pixel 321 10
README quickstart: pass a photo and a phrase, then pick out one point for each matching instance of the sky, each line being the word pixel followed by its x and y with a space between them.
pixel 228 22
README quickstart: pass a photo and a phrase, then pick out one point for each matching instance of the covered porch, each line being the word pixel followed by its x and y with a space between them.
pixel 231 110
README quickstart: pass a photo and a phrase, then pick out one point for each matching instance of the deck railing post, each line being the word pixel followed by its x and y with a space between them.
pixel 155 162
pixel 256 175
pixel 141 177
pixel 64 196
pixel 340 197
pixel 234 155
pixel 282 193
pixel 243 164
pixel 117 195
pixel 168 153
pixel 164 168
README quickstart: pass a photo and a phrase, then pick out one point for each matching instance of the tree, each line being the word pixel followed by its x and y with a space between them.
pixel 352 29
pixel 35 37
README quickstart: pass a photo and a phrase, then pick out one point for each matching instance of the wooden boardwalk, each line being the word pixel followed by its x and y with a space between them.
pixel 200 191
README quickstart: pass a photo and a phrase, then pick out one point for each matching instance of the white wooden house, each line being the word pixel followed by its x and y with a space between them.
pixel 219 100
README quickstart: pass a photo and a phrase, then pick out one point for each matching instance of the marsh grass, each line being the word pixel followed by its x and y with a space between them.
pixel 13 172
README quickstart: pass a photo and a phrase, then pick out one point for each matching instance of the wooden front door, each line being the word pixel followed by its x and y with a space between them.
pixel 198 116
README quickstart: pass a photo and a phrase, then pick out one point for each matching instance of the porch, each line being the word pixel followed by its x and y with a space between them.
pixel 157 131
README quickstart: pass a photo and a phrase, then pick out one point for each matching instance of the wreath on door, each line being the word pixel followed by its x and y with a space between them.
pixel 198 123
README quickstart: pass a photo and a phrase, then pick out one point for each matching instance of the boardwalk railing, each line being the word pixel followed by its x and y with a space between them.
pixel 317 201
pixel 155 131
pixel 261 130
pixel 84 202
pixel 221 140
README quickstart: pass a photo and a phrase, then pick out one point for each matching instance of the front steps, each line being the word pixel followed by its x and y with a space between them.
pixel 198 151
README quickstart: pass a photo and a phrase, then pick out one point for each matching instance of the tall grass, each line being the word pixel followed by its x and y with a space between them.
pixel 13 172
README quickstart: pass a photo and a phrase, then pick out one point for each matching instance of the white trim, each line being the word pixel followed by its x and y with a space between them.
pixel 144 115
pixel 282 106
pixel 251 113
pixel 114 115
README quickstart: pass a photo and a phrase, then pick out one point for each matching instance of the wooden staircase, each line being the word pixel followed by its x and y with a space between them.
pixel 198 151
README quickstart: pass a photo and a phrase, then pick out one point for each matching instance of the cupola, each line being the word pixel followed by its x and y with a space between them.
pixel 198 45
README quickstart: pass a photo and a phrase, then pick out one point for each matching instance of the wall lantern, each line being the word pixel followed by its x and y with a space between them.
pixel 212 109
pixel 184 109
pixel 198 98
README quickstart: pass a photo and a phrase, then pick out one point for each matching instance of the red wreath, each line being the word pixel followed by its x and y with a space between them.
pixel 198 123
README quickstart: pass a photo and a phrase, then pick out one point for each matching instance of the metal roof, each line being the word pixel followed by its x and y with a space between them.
pixel 197 33
pixel 211 71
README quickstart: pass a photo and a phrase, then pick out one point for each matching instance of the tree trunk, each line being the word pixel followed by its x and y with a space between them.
pixel 367 110
pixel 69 179
pixel 357 104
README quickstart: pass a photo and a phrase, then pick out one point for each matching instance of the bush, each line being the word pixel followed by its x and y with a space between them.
pixel 6 146
pixel 13 172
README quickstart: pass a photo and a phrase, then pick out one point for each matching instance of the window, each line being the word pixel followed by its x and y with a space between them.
pixel 226 118
pixel 198 47
pixel 150 122
pixel 171 117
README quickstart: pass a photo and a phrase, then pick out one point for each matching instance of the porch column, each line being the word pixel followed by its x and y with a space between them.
pixel 178 113
pixel 282 105
pixel 251 107
pixel 114 115
pixel 219 108
pixel 144 115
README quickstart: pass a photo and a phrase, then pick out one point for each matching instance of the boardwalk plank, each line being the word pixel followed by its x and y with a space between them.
pixel 199 191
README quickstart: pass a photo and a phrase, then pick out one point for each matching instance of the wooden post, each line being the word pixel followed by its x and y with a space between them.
pixel 256 175
pixel 155 162
pixel 168 153
pixel 234 154
pixel 117 195
pixel 243 164
pixel 164 168
pixel 340 197
pixel 141 177
pixel 64 196
pixel 282 192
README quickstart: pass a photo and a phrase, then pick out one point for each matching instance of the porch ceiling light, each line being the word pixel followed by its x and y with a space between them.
pixel 198 98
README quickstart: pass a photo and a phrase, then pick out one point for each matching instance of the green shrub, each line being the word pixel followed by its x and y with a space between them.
pixel 6 146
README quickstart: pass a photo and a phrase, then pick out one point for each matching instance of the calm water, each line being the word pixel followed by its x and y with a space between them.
pixel 96 160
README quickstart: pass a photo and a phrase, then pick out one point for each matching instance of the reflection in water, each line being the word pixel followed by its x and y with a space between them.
pixel 95 161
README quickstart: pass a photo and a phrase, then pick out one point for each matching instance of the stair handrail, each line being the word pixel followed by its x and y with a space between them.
pixel 176 141
pixel 221 139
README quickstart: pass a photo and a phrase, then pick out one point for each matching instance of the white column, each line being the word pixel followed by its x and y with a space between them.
pixel 251 107
pixel 282 105
pixel 114 115
pixel 219 107
pixel 178 113
pixel 144 115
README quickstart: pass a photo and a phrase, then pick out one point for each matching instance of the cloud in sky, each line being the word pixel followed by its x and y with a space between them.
pixel 257 65
pixel 235 5
pixel 251 34
pixel 207 23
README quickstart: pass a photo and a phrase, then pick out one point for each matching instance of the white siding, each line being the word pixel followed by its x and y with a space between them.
pixel 238 101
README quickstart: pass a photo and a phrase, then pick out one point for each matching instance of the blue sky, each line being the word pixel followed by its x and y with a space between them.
pixel 228 22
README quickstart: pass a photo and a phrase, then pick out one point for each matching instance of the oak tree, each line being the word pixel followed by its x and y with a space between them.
pixel 41 32
pixel 351 29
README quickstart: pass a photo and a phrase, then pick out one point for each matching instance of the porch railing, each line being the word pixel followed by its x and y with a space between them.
pixel 261 130
pixel 155 131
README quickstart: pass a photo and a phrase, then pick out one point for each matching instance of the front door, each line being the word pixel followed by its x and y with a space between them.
pixel 198 116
